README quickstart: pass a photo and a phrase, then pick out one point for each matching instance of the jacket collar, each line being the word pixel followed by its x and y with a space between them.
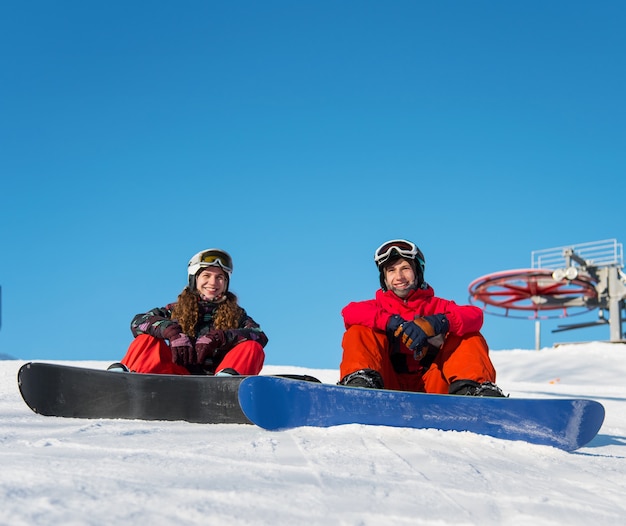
pixel 417 294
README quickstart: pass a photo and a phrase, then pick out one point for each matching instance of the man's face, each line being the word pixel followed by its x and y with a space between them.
pixel 400 277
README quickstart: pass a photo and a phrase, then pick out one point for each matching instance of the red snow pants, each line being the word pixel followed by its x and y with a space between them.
pixel 460 358
pixel 147 354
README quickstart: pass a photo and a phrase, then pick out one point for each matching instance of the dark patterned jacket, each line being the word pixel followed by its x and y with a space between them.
pixel 155 321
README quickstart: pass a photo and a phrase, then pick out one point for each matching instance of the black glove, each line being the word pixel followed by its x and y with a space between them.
pixel 208 344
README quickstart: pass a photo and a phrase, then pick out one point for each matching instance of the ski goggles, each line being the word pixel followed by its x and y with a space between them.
pixel 210 258
pixel 400 247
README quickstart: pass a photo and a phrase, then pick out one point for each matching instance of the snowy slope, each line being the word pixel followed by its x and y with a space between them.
pixel 67 471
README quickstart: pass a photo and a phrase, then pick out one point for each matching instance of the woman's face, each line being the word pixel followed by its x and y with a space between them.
pixel 211 283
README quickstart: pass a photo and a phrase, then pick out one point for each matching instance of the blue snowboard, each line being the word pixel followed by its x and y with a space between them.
pixel 278 403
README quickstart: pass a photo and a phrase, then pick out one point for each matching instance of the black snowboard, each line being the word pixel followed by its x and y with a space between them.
pixel 78 392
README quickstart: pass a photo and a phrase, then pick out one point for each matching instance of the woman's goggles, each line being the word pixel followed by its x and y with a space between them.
pixel 212 259
pixel 399 247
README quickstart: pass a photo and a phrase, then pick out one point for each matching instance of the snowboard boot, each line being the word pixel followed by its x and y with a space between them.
pixel 363 378
pixel 227 372
pixel 471 388
pixel 118 367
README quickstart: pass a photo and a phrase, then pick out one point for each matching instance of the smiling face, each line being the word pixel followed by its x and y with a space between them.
pixel 400 277
pixel 211 283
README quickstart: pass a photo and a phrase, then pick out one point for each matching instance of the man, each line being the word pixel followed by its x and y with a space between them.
pixel 408 339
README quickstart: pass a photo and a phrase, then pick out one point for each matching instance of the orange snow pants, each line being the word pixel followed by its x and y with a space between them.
pixel 147 354
pixel 460 358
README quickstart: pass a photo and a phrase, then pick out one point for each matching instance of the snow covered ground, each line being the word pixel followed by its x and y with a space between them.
pixel 83 472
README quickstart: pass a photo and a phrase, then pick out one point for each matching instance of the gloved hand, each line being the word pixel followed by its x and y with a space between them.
pixel 416 334
pixel 172 331
pixel 180 344
pixel 208 344
pixel 394 322
pixel 411 334
pixel 438 322
pixel 183 352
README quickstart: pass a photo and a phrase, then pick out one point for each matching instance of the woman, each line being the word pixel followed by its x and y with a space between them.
pixel 208 332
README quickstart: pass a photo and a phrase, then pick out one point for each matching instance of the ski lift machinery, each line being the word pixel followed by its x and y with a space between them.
pixel 561 282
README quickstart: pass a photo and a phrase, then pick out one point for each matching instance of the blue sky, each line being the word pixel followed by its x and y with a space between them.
pixel 298 136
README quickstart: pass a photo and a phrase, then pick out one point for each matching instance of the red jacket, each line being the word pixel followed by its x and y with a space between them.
pixel 375 313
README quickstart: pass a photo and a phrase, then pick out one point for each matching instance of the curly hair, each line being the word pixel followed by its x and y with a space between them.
pixel 186 311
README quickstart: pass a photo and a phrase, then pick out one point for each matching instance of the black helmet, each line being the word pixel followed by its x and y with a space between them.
pixel 400 248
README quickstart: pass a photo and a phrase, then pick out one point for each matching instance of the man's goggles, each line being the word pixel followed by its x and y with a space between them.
pixel 399 247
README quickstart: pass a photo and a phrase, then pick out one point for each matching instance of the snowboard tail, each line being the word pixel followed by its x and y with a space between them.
pixel 78 392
